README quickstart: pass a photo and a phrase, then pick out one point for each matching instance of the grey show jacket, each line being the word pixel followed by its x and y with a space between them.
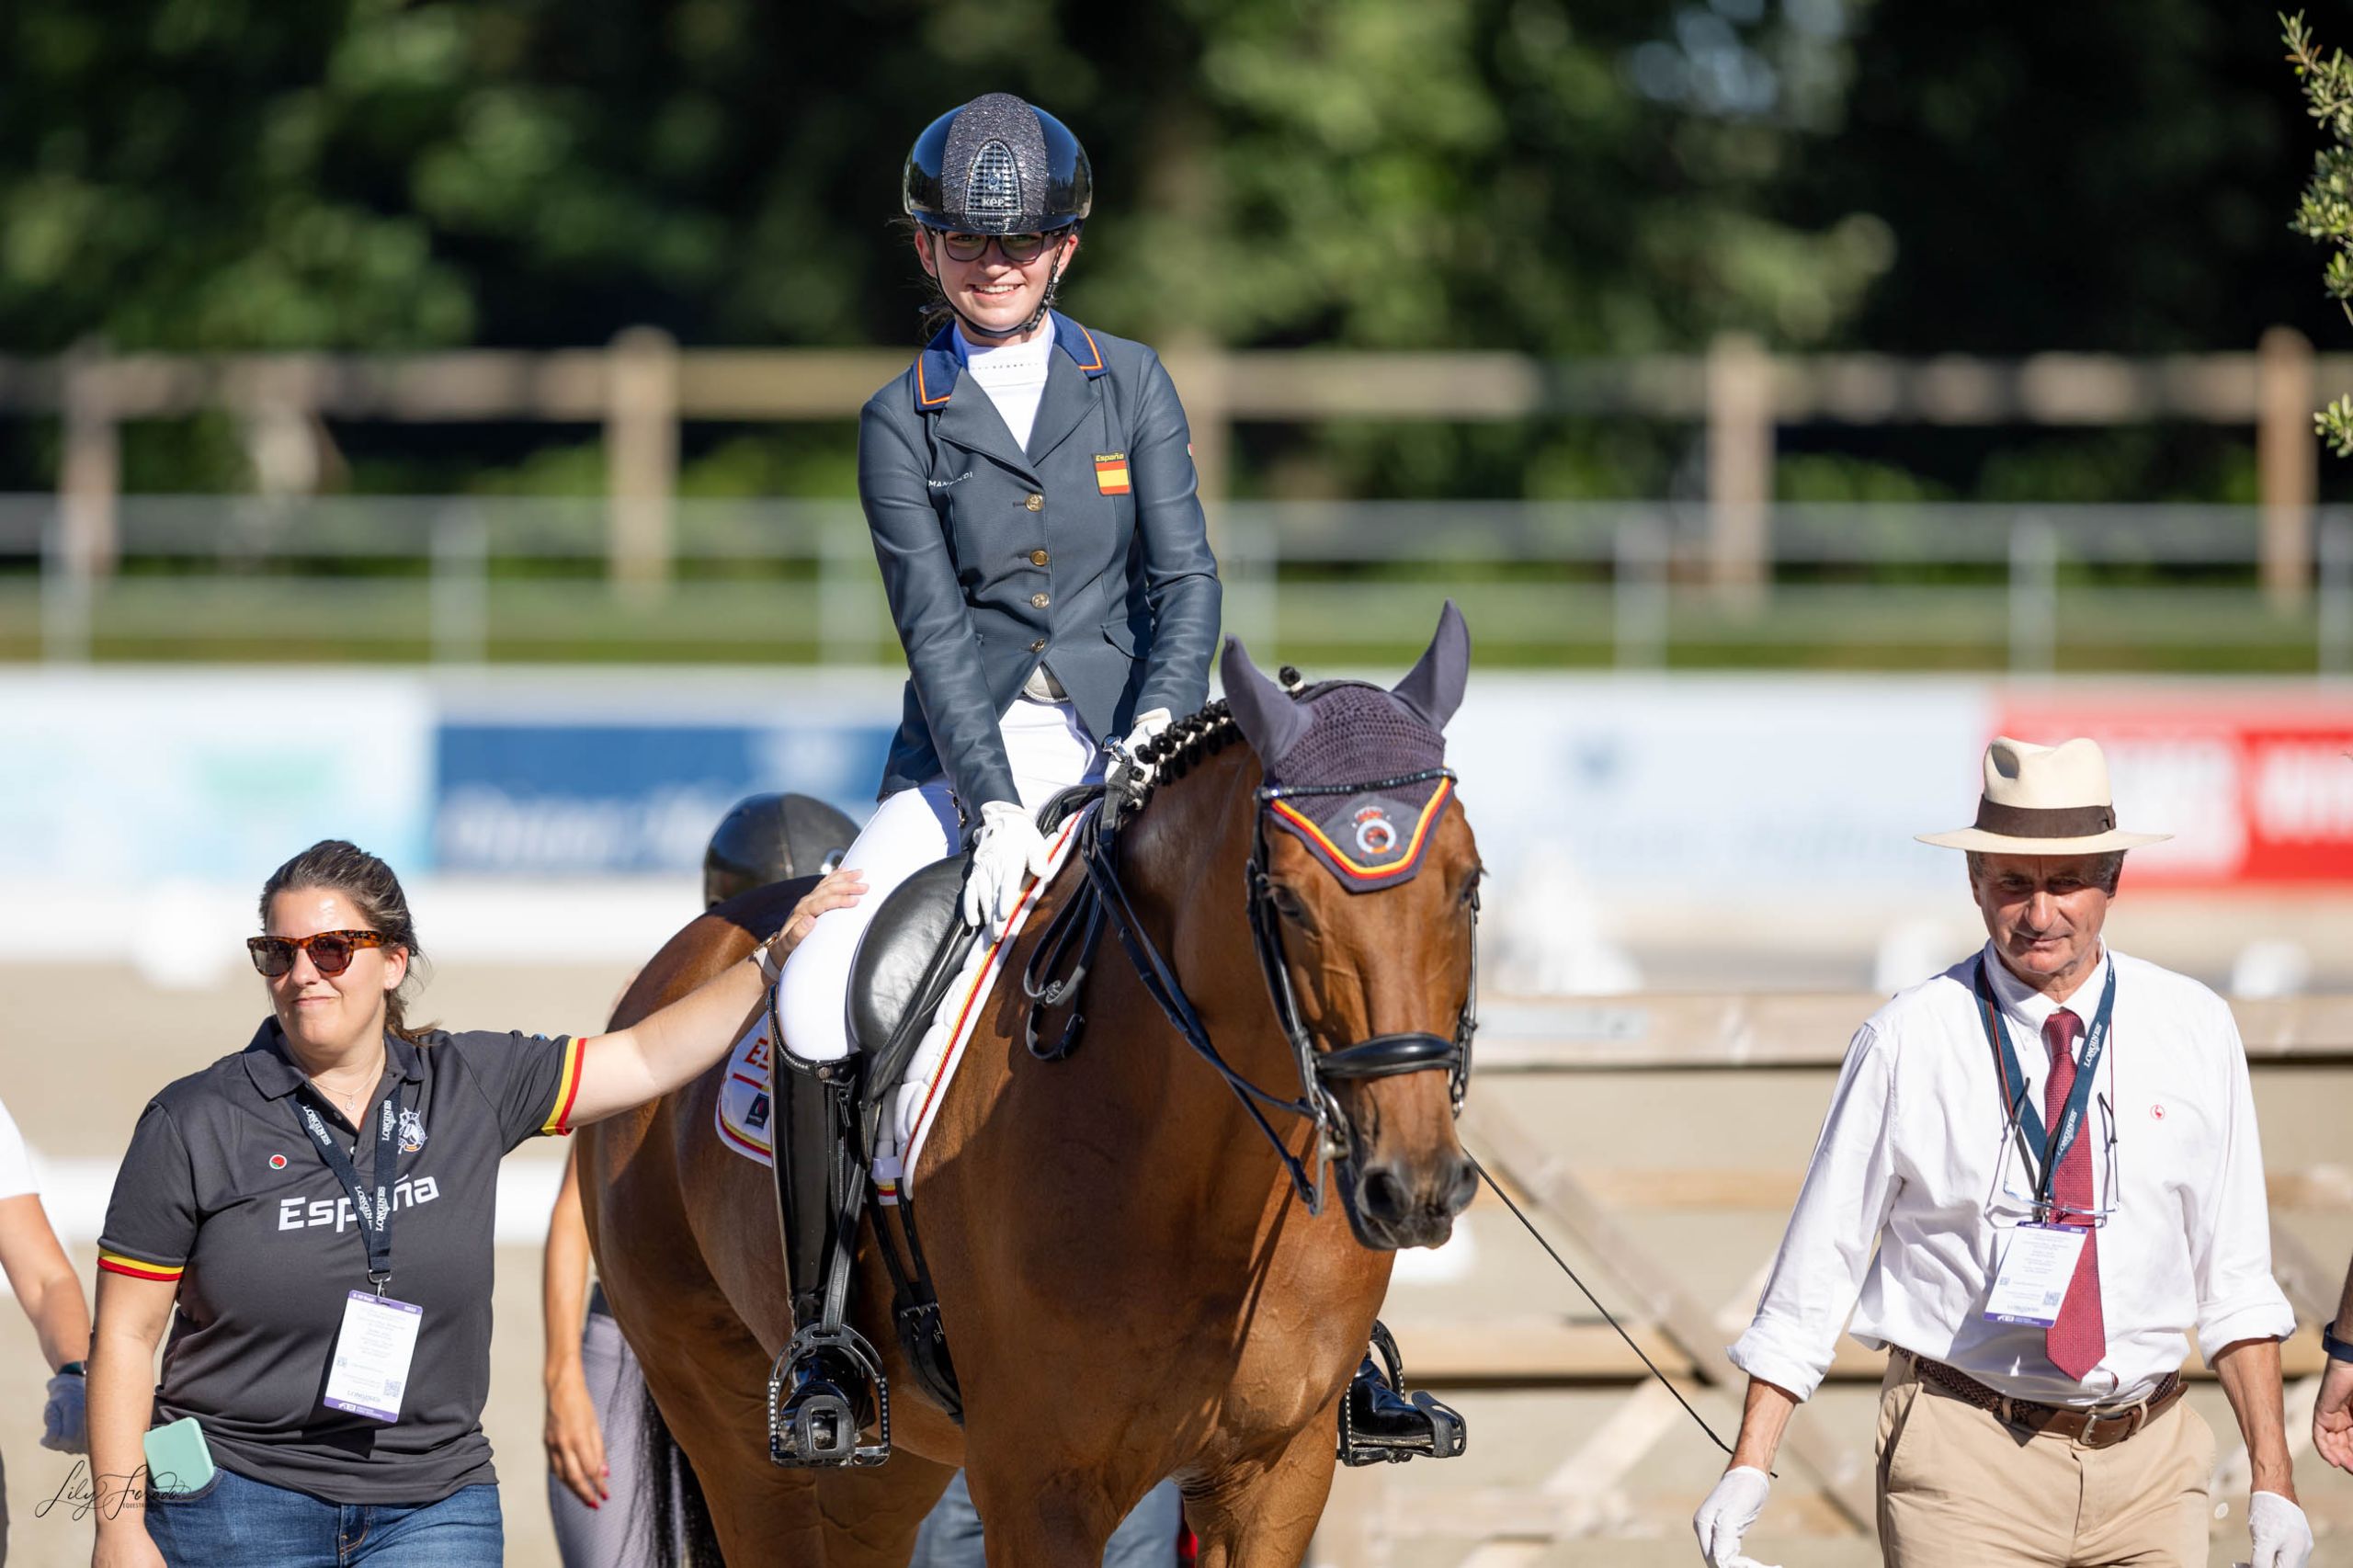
pixel 1086 553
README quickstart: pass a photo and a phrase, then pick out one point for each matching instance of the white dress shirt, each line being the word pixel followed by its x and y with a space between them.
pixel 1907 1195
pixel 16 1166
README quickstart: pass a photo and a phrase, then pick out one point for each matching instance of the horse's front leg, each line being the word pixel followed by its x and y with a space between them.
pixel 1036 1516
pixel 1261 1511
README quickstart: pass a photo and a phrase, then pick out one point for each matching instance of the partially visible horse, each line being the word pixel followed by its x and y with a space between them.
pixel 1131 1287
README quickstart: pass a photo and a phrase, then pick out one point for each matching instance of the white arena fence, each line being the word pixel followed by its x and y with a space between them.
pixel 467 580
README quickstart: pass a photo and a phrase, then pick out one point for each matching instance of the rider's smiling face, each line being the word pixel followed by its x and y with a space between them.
pixel 990 290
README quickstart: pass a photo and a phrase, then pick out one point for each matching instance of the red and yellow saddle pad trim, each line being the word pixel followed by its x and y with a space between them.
pixel 1414 844
pixel 567 1088
pixel 1111 472
pixel 140 1268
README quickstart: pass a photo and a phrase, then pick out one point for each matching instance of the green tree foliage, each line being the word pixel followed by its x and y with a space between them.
pixel 1499 172
pixel 2325 211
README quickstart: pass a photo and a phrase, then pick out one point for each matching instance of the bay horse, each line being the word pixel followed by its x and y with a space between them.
pixel 1131 1289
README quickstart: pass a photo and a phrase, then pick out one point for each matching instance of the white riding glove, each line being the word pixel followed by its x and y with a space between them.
pixel 1009 851
pixel 1149 724
pixel 1727 1515
pixel 2283 1536
pixel 65 1420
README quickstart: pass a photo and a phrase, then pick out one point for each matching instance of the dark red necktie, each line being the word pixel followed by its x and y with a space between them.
pixel 2078 1340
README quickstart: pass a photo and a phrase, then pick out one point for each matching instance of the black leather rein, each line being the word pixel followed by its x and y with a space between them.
pixel 1058 967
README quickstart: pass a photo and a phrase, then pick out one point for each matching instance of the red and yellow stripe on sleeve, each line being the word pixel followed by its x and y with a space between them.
pixel 567 1088
pixel 139 1267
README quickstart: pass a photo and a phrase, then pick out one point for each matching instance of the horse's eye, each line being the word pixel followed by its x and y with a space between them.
pixel 1291 907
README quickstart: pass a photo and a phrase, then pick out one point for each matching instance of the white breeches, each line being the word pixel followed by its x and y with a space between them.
pixel 1050 751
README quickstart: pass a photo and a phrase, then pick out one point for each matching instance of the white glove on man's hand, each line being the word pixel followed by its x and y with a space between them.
pixel 65 1420
pixel 1727 1515
pixel 2283 1536
pixel 1009 851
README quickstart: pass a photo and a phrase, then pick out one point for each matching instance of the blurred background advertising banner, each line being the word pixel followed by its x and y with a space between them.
pixel 569 776
pixel 1719 787
pixel 2254 782
pixel 142 777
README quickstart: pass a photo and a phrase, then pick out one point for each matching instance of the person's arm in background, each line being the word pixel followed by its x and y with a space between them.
pixel 47 1287
pixel 2332 1412
pixel 131 1315
pixel 574 1439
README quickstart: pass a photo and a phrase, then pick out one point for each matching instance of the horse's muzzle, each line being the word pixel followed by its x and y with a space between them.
pixel 1396 1204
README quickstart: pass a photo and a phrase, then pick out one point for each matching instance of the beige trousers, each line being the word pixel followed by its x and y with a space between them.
pixel 1960 1488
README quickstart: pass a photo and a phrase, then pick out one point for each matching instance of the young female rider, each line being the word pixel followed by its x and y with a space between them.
pixel 1030 485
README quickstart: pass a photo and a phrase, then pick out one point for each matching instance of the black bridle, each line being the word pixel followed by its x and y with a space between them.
pixel 1104 901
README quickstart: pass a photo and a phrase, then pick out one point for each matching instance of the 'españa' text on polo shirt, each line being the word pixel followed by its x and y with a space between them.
pixel 224 1193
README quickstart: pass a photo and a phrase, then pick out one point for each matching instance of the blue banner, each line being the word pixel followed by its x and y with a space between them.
pixel 613 799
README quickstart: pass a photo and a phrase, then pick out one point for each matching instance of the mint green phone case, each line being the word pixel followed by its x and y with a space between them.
pixel 179 1460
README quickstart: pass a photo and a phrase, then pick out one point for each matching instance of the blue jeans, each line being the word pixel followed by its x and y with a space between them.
pixel 259 1526
pixel 950 1536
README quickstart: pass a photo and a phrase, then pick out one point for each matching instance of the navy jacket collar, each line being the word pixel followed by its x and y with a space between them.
pixel 941 364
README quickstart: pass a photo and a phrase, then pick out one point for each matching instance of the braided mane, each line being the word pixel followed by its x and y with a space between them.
pixel 1185 744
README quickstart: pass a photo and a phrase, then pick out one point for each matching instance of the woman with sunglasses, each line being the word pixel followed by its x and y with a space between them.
pixel 1030 485
pixel 311 1217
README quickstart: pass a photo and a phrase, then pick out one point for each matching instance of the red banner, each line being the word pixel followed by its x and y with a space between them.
pixel 2257 788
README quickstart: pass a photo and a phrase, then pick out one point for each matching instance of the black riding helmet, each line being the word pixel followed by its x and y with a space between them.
pixel 772 838
pixel 999 166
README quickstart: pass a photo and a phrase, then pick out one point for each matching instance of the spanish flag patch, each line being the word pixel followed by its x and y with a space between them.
pixel 1111 472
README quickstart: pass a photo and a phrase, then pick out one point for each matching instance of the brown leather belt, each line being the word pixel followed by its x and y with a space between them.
pixel 2092 1428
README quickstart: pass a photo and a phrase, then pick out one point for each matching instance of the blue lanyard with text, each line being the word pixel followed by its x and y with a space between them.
pixel 2020 1110
pixel 376 1217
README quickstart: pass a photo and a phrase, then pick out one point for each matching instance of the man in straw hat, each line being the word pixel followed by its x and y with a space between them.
pixel 2039 1171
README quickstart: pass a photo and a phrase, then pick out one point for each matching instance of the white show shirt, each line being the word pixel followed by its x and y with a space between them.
pixel 1013 374
pixel 1912 1159
pixel 15 1164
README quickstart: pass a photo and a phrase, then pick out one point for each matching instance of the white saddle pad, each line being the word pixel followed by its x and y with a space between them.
pixel 747 1109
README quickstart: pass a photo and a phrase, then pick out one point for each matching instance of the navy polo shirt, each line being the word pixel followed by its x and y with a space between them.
pixel 224 1193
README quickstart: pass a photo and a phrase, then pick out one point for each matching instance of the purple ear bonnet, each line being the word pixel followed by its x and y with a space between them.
pixel 1323 753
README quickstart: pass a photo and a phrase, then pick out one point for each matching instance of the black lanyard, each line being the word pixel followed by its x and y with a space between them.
pixel 375 1218
pixel 2021 1112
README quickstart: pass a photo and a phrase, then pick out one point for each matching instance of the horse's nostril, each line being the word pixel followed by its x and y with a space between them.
pixel 1463 1188
pixel 1383 1195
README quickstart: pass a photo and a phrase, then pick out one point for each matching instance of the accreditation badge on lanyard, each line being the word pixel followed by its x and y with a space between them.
pixel 2038 1260
pixel 368 1373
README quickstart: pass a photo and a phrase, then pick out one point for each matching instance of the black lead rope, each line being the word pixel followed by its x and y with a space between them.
pixel 1495 1188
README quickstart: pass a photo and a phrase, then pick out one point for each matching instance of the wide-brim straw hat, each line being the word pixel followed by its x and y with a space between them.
pixel 2044 801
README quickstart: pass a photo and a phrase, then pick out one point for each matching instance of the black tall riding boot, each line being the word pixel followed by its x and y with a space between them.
pixel 1379 1423
pixel 825 1394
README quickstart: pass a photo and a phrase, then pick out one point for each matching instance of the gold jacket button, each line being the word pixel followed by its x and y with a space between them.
pixel 1039 601
pixel 1039 558
pixel 1036 502
pixel 1039 646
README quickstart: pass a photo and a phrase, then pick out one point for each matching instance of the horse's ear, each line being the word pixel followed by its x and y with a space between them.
pixel 1434 687
pixel 1270 719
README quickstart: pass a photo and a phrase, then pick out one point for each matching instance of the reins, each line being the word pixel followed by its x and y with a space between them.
pixel 1059 964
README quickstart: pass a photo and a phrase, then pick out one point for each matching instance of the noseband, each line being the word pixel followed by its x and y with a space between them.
pixel 1078 925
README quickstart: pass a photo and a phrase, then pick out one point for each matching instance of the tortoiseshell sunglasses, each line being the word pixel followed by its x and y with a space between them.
pixel 330 950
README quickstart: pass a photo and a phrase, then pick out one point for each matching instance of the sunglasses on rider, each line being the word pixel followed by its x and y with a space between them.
pixel 1019 249
pixel 330 950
